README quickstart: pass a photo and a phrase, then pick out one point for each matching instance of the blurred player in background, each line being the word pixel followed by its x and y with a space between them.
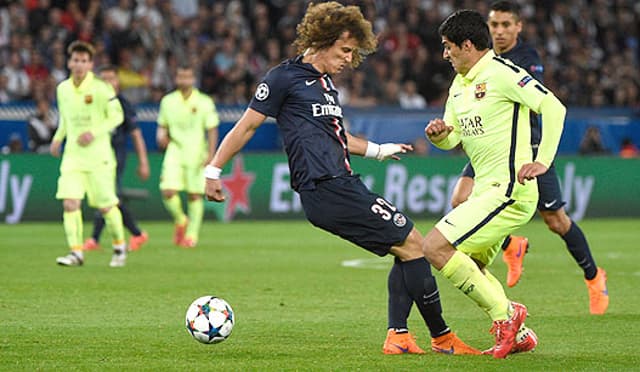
pixel 119 143
pixel 301 95
pixel 505 25
pixel 487 112
pixel 185 116
pixel 89 110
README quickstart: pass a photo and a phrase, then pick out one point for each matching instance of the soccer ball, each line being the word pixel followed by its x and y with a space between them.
pixel 210 319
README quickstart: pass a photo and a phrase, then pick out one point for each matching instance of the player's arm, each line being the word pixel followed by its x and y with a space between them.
pixel 440 133
pixel 113 116
pixel 531 93
pixel 232 143
pixel 58 137
pixel 553 113
pixel 141 151
pixel 368 149
pixel 212 142
pixel 61 132
pixel 213 121
pixel 162 130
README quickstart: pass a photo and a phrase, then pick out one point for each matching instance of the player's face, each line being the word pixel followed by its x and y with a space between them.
pixel 504 29
pixel 184 78
pixel 335 58
pixel 456 55
pixel 110 77
pixel 80 63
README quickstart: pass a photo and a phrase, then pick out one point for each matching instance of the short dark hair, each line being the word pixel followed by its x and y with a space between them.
pixel 464 25
pixel 79 46
pixel 507 7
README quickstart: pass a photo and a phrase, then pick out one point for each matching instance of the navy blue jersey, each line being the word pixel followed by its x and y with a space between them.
pixel 121 132
pixel 305 104
pixel 525 56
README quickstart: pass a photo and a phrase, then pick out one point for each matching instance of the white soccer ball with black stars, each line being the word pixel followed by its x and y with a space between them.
pixel 210 319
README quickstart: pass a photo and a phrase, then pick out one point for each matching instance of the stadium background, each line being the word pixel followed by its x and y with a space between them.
pixel 590 50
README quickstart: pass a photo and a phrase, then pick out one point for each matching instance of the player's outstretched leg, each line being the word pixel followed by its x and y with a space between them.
pixel 513 256
pixel 398 340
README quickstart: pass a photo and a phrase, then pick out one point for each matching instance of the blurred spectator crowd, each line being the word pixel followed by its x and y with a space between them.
pixel 590 48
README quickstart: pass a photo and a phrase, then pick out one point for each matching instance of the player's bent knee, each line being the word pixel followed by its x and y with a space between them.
pixel 411 248
pixel 168 193
pixel 436 249
pixel 557 221
pixel 70 205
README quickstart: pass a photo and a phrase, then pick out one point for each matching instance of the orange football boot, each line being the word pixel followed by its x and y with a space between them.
pixel 598 293
pixel 513 256
pixel 400 343
pixel 451 344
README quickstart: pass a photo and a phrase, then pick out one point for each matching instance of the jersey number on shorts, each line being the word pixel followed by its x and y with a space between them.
pixel 383 208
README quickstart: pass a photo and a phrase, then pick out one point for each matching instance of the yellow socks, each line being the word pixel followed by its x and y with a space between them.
pixel 113 220
pixel 195 209
pixel 174 206
pixel 466 276
pixel 72 222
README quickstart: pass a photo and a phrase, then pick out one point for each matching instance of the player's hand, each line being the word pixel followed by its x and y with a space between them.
pixel 389 150
pixel 54 148
pixel 143 171
pixel 530 171
pixel 437 130
pixel 213 190
pixel 85 139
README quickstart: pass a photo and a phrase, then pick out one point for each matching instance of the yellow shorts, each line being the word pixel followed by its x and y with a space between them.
pixel 478 226
pixel 99 185
pixel 182 178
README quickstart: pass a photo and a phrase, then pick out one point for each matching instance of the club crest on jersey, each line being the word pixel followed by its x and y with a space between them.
pixel 194 110
pixel 481 90
pixel 88 98
pixel 399 220
pixel 262 92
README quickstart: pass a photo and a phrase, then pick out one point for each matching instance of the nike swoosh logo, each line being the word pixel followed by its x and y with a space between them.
pixel 519 253
pixel 456 95
pixel 403 349
pixel 448 223
pixel 549 204
pixel 444 351
pixel 310 82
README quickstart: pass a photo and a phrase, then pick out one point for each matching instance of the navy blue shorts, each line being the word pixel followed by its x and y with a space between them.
pixel 548 188
pixel 345 207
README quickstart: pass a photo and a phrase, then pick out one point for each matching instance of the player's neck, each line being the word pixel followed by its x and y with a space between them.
pixel 77 80
pixel 186 93
pixel 314 60
pixel 499 51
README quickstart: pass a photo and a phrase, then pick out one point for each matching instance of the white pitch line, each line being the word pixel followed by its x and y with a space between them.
pixel 368 263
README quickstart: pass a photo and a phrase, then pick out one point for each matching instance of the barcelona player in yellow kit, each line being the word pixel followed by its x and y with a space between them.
pixel 89 111
pixel 487 112
pixel 184 117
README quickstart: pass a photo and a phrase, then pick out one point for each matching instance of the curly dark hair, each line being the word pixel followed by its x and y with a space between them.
pixel 323 24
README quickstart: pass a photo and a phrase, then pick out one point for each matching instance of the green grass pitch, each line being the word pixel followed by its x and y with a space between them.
pixel 298 307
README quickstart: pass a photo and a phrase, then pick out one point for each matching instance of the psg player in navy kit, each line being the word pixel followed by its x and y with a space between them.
pixel 300 94
pixel 505 25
